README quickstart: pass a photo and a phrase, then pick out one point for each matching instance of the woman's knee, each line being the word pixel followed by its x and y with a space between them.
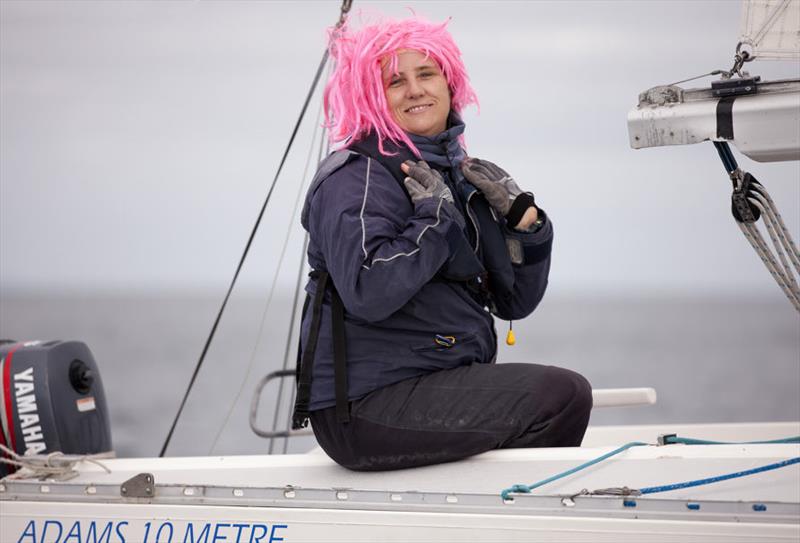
pixel 574 391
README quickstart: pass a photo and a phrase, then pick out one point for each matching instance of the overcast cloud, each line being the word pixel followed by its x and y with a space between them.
pixel 138 139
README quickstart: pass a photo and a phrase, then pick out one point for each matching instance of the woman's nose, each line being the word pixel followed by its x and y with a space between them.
pixel 414 89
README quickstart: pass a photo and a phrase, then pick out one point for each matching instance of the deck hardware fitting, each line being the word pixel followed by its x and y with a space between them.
pixel 138 486
pixel 451 499
pixel 2 488
pixel 568 502
pixel 44 489
pixel 188 491
pixel 91 490
pixel 629 503
pixel 238 492
pixel 692 506
pixel 663 439
pixel 396 497
pixel 759 507
pixel 341 495
pixel 289 494
pixel 508 501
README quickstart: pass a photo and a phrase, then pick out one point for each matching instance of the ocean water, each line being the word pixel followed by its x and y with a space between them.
pixel 711 359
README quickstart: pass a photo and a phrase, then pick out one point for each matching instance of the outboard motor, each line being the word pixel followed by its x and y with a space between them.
pixel 51 399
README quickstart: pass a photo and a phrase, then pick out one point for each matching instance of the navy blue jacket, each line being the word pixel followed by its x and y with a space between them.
pixel 383 254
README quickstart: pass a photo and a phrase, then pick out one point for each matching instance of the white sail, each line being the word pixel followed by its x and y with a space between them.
pixel 771 29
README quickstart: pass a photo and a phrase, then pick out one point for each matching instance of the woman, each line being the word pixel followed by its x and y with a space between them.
pixel 414 247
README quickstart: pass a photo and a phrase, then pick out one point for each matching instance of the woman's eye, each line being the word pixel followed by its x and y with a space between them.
pixel 395 82
pixel 427 74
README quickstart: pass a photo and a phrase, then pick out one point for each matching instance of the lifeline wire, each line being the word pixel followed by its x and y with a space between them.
pixel 324 149
pixel 254 351
pixel 246 250
pixel 296 304
pixel 296 300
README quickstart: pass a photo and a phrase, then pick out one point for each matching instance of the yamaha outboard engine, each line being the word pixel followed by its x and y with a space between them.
pixel 51 399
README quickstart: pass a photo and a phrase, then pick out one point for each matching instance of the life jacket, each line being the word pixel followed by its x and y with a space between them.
pixel 485 269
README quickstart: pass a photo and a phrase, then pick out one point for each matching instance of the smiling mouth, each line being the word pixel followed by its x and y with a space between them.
pixel 419 108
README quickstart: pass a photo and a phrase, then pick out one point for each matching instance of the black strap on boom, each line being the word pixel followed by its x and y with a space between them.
pixel 305 362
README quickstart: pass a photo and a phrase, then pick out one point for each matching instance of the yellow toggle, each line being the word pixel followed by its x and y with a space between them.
pixel 510 339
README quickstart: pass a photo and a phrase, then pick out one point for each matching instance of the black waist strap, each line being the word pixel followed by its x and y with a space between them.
pixel 305 363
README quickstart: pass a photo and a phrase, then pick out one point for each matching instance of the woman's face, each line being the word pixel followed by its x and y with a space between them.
pixel 418 94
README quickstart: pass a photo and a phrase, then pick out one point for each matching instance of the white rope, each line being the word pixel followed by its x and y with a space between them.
pixel 752 234
pixel 777 238
pixel 783 232
pixel 55 465
pixel 774 259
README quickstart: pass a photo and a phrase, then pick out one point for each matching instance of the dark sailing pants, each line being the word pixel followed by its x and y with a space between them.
pixel 451 414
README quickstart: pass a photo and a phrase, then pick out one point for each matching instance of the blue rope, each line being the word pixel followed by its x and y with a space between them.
pixel 718 478
pixel 664 488
pixel 693 441
pixel 527 488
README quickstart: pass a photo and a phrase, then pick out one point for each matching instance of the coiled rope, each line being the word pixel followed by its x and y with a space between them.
pixel 56 465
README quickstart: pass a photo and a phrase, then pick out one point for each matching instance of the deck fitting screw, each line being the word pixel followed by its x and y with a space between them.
pixel 452 499
pixel 91 490
pixel 289 494
pixel 568 502
pixel 124 490
pixel 508 501
pixel 44 489
pixel 188 492
pixel 341 495
pixel 238 492
pixel 2 488
pixel 396 498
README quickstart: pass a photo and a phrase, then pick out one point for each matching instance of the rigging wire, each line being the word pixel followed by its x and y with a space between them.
pixel 289 340
pixel 199 364
pixel 344 10
pixel 324 149
pixel 296 298
pixel 261 327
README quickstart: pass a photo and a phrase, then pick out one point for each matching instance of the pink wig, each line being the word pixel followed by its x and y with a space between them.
pixel 355 97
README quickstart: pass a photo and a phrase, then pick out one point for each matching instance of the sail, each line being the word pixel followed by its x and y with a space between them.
pixel 771 29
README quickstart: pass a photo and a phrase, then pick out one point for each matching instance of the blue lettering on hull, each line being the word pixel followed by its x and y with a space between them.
pixel 122 531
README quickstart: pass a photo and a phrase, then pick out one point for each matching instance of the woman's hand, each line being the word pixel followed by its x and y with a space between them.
pixel 423 182
pixel 501 191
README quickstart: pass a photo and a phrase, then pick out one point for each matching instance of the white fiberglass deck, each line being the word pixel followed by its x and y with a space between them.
pixel 309 498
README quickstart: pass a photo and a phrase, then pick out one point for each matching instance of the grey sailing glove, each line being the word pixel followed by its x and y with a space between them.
pixel 423 182
pixel 499 188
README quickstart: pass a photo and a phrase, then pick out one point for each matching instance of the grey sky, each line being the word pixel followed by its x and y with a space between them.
pixel 138 139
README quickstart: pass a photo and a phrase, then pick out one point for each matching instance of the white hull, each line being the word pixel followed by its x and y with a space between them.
pixel 251 499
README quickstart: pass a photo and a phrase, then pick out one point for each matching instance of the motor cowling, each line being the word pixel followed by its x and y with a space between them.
pixel 51 399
